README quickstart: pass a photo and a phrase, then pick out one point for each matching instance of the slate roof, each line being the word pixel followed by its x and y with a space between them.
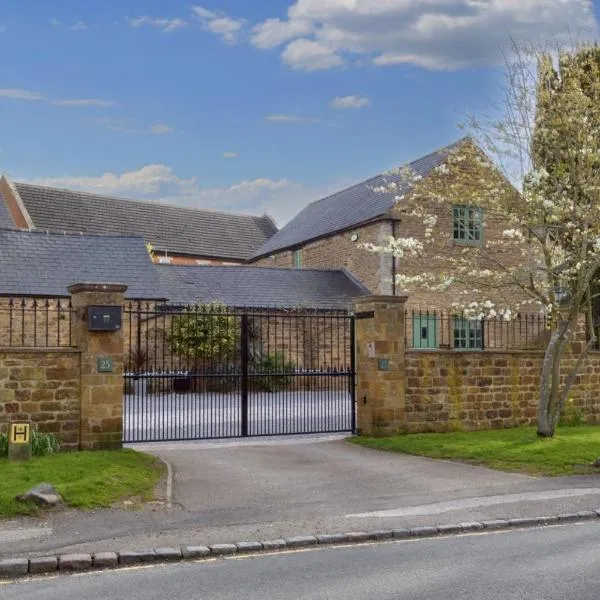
pixel 176 229
pixel 255 287
pixel 353 206
pixel 6 219
pixel 41 264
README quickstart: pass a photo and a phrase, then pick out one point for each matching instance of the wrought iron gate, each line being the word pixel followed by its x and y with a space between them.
pixel 207 372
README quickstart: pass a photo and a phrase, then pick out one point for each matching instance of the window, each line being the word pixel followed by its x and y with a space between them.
pixel 424 329
pixel 468 334
pixel 297 258
pixel 467 224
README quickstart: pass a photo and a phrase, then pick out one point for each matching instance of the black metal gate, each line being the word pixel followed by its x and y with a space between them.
pixel 205 372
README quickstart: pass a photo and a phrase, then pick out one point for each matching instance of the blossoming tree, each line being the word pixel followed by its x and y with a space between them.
pixel 547 258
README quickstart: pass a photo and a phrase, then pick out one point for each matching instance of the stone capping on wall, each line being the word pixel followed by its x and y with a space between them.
pixel 110 288
pixel 397 299
pixel 39 350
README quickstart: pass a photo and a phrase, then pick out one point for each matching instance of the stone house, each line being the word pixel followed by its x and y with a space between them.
pixel 176 234
pixel 329 233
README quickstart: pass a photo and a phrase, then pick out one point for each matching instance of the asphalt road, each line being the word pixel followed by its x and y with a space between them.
pixel 549 563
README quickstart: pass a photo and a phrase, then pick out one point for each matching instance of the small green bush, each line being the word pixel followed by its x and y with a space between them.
pixel 42 444
pixel 573 416
pixel 276 364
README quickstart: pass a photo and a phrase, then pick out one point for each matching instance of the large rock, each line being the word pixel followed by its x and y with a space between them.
pixel 43 494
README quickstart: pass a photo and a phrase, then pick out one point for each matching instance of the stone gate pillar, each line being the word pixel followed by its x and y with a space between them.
pixel 379 327
pixel 101 343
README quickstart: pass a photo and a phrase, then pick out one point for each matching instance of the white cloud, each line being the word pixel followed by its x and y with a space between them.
pixel 84 102
pixel 281 198
pixel 160 129
pixel 78 26
pixel 151 179
pixel 203 13
pixel 230 154
pixel 20 94
pixel 290 119
pixel 274 32
pixel 228 28
pixel 345 102
pixel 434 34
pixel 122 126
pixel 310 55
pixel 165 24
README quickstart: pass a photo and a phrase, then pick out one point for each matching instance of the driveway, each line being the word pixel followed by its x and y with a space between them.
pixel 214 415
pixel 264 489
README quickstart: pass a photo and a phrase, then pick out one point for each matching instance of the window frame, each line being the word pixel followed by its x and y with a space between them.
pixel 297 259
pixel 472 337
pixel 463 222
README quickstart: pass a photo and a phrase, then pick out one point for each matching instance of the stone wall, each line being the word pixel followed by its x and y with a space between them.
pixel 403 390
pixel 42 386
pixel 447 391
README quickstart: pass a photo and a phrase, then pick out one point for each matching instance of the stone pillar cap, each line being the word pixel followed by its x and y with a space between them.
pixel 109 288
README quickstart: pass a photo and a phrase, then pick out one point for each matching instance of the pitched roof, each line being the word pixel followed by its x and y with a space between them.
pixel 173 228
pixel 353 206
pixel 252 287
pixel 6 219
pixel 41 264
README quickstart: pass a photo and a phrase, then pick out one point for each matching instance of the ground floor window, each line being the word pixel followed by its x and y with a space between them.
pixel 468 334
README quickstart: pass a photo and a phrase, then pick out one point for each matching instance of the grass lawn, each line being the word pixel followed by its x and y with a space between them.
pixel 571 451
pixel 84 479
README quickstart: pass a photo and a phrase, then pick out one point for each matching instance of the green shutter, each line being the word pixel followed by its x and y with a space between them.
pixel 424 331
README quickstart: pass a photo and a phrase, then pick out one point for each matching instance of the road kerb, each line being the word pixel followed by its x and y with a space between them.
pixel 18 567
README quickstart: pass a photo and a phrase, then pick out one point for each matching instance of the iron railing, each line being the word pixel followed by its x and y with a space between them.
pixel 449 330
pixel 35 322
pixel 208 372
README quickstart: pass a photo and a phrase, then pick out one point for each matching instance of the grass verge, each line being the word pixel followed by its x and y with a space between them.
pixel 84 479
pixel 571 451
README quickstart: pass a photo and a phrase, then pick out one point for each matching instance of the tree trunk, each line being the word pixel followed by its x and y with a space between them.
pixel 550 382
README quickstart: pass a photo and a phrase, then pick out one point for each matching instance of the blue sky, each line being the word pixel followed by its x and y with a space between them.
pixel 248 106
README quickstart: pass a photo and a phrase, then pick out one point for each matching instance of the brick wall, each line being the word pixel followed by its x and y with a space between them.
pixel 35 322
pixel 42 386
pixel 446 391
pixel 175 259
pixel 340 252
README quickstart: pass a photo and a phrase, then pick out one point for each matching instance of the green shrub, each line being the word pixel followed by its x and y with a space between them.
pixel 204 332
pixel 44 443
pixel 573 416
pixel 41 443
pixel 272 363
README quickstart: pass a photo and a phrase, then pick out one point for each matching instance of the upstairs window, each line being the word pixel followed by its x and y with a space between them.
pixel 467 225
pixel 297 258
